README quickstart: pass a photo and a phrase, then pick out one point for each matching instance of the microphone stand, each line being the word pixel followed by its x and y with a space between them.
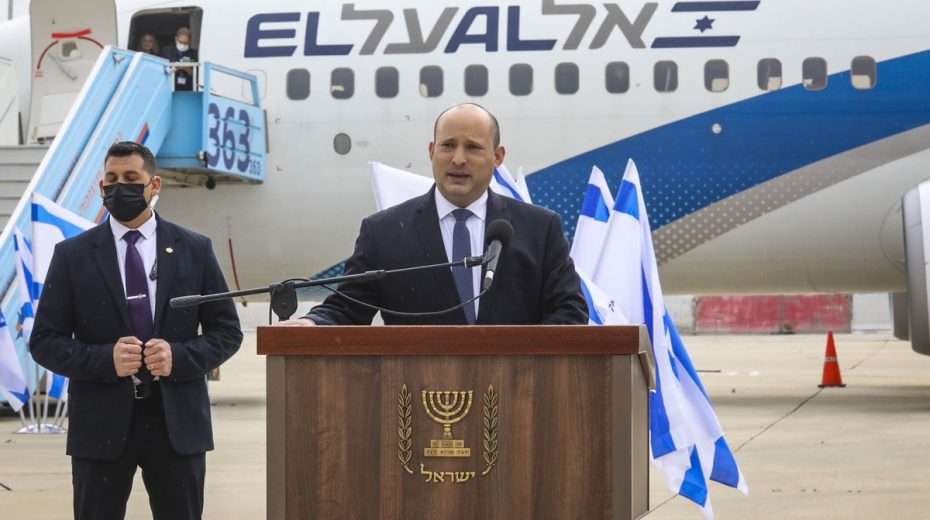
pixel 284 294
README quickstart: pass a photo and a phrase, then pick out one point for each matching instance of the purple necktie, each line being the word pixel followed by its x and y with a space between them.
pixel 461 247
pixel 137 297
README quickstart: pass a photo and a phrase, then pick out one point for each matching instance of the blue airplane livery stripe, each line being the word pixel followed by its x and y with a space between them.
pixel 685 166
pixel 704 7
pixel 690 42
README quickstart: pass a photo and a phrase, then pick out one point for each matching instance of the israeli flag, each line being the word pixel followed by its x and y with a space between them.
pixel 51 224
pixel 514 186
pixel 13 386
pixel 27 289
pixel 591 229
pixel 686 439
pixel 587 244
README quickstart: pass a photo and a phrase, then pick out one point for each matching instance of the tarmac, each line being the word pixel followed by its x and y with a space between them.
pixel 862 451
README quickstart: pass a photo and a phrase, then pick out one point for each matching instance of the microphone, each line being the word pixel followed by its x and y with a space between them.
pixel 497 237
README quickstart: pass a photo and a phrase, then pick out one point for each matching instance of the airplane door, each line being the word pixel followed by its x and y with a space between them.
pixel 67 38
pixel 9 113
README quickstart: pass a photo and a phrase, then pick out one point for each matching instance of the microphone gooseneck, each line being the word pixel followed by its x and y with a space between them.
pixel 497 237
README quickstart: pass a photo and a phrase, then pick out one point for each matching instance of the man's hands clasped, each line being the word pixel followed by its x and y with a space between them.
pixel 129 354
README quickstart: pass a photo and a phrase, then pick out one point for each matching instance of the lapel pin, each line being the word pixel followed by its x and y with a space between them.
pixel 169 250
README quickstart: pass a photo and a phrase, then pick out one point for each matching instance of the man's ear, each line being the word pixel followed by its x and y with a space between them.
pixel 156 185
pixel 100 185
pixel 499 154
pixel 431 147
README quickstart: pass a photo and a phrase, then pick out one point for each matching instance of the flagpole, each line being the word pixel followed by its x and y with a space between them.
pixel 22 418
pixel 32 399
pixel 60 419
pixel 45 403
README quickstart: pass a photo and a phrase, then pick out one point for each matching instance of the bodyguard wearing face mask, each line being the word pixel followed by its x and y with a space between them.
pixel 181 52
pixel 138 391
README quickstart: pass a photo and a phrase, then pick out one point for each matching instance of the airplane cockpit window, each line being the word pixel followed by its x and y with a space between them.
pixel 298 84
pixel 521 79
pixel 716 75
pixel 769 74
pixel 476 80
pixel 814 73
pixel 665 76
pixel 617 77
pixel 566 78
pixel 431 81
pixel 863 73
pixel 342 83
pixel 387 82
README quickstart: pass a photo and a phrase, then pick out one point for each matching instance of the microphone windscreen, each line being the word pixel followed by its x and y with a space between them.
pixel 499 229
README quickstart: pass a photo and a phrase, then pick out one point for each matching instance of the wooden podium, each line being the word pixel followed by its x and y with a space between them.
pixel 456 422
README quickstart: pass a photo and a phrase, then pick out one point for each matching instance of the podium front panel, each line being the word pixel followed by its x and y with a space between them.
pixel 456 437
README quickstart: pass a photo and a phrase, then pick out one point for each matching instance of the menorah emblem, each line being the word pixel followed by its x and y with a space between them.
pixel 447 408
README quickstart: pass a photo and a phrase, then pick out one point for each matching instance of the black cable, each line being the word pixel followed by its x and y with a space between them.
pixel 402 313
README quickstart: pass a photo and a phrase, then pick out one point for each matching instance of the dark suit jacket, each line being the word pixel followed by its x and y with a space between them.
pixel 535 281
pixel 83 312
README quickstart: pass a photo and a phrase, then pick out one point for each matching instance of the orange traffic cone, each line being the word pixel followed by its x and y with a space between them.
pixel 831 369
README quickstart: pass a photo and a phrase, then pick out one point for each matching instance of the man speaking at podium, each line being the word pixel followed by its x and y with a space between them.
pixel 534 281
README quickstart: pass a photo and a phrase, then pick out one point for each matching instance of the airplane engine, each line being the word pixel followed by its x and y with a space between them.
pixel 916 212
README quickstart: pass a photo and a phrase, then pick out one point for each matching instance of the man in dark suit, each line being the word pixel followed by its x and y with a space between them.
pixel 138 392
pixel 535 282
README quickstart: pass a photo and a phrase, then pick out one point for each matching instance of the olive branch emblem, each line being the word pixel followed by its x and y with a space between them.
pixel 404 429
pixel 491 420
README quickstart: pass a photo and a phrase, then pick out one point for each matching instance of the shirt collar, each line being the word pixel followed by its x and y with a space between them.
pixel 479 207
pixel 147 228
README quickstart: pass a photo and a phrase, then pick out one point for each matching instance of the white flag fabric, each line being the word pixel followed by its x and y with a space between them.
pixel 686 439
pixel 51 224
pixel 393 186
pixel 13 386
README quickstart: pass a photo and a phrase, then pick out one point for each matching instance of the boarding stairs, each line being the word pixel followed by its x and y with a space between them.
pixel 129 96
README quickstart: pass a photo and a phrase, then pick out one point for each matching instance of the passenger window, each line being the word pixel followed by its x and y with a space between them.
pixel 617 77
pixel 769 74
pixel 566 78
pixel 521 79
pixel 665 76
pixel 476 80
pixel 342 84
pixel 387 82
pixel 863 73
pixel 298 84
pixel 814 72
pixel 431 81
pixel 716 75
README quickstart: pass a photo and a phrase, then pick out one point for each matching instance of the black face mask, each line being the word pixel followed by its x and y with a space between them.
pixel 125 201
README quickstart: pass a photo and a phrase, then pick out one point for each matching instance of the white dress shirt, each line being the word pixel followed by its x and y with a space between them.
pixel 475 224
pixel 146 247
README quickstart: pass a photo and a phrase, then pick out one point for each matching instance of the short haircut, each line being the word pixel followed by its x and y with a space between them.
pixel 495 126
pixel 183 31
pixel 127 148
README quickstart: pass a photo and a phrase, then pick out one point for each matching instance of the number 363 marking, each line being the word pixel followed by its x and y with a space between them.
pixel 222 136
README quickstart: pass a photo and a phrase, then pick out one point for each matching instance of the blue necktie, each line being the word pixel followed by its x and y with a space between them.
pixel 137 297
pixel 461 247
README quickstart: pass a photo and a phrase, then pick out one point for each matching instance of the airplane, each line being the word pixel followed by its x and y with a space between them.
pixel 777 141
